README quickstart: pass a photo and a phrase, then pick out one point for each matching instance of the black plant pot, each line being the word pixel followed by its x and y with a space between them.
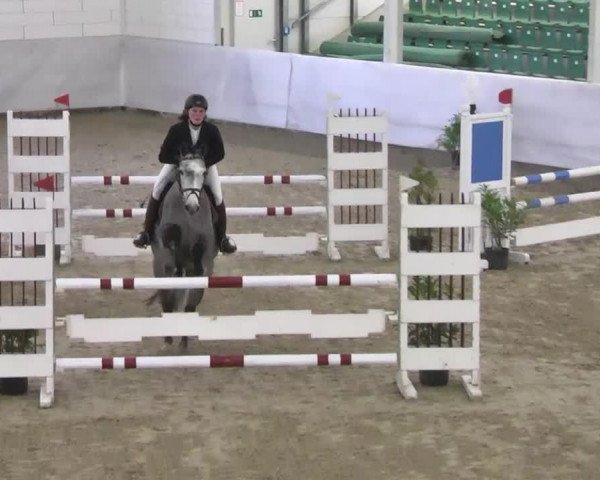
pixel 497 258
pixel 434 378
pixel 420 243
pixel 14 386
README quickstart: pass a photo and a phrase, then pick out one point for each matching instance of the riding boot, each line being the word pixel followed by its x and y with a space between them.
pixel 224 243
pixel 143 239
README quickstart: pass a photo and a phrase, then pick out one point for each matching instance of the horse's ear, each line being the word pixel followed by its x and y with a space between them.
pixel 198 152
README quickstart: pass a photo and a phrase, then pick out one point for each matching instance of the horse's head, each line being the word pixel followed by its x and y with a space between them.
pixel 192 170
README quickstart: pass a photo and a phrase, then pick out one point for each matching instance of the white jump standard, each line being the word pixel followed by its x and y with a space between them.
pixel 354 196
pixel 412 311
pixel 486 160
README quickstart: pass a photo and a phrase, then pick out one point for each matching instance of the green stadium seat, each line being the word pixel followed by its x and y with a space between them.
pixel 479 56
pixel 536 64
pixel 515 60
pixel 569 37
pixel 580 13
pixel 584 40
pixel 549 36
pixel 528 35
pixel 576 68
pixel 457 44
pixel 466 9
pixel 436 20
pixel 453 21
pixel 556 64
pixel 561 12
pixel 503 10
pixel 415 6
pixel 470 22
pixel 484 9
pixel 496 59
pixel 522 10
pixel 448 7
pixel 511 32
pixel 432 6
pixel 421 41
pixel 540 11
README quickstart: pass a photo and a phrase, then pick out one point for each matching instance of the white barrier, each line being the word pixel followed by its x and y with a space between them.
pixel 357 127
pixel 358 230
pixel 419 311
pixel 485 154
pixel 230 327
pixel 412 311
pixel 54 161
pixel 36 222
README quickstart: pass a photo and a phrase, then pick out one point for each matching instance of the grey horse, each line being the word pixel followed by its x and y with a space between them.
pixel 183 241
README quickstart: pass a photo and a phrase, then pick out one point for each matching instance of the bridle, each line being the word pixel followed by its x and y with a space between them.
pixel 192 190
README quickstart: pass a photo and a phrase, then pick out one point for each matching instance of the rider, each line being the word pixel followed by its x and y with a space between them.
pixel 191 132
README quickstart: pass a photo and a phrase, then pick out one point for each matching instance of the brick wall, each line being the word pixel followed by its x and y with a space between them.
pixel 29 19
pixel 186 20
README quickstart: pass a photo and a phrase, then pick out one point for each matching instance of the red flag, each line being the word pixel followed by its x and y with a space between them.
pixel 63 99
pixel 506 96
pixel 45 184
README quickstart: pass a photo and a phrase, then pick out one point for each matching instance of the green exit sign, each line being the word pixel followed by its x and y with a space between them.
pixel 255 13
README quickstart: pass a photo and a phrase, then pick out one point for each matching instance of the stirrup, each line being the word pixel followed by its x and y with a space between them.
pixel 142 240
pixel 227 245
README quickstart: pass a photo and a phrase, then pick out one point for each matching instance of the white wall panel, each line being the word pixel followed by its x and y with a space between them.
pixel 57 66
pixel 88 16
pixel 51 5
pixel 11 6
pixel 241 85
pixel 11 33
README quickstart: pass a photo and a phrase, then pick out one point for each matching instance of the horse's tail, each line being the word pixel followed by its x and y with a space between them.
pixel 151 299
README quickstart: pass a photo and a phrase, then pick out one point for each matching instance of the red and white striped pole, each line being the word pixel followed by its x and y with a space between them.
pixel 245 281
pixel 224 361
pixel 108 180
pixel 231 211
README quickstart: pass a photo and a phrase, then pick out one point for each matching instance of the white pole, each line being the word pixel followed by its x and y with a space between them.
pixel 560 200
pixel 246 281
pixel 557 175
pixel 224 361
pixel 393 31
pixel 108 180
pixel 231 211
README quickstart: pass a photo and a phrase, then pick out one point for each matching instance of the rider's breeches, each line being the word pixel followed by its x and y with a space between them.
pixel 213 182
pixel 167 175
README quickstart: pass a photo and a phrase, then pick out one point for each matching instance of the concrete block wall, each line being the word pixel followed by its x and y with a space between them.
pixel 31 19
pixel 185 20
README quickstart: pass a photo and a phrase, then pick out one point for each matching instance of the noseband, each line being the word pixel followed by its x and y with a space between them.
pixel 191 191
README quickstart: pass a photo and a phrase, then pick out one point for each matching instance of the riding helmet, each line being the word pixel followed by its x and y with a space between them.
pixel 196 100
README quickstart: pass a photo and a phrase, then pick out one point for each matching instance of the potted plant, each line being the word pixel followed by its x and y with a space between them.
pixel 424 193
pixel 449 139
pixel 501 218
pixel 15 342
pixel 431 335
